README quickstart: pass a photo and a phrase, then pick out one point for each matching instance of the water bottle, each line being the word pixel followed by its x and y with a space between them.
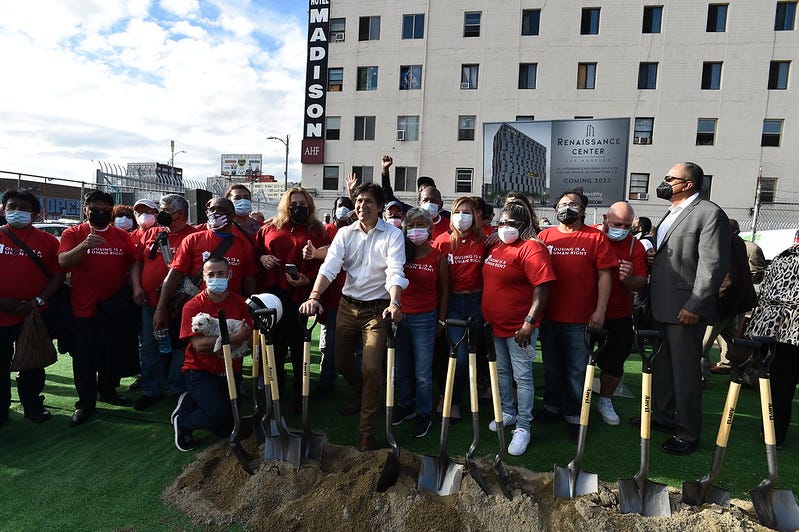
pixel 164 343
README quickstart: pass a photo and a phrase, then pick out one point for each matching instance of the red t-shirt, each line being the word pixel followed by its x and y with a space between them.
pixel 441 227
pixel 465 263
pixel 136 235
pixel 21 278
pixel 620 302
pixel 332 296
pixel 197 247
pixel 422 292
pixel 235 308
pixel 576 257
pixel 489 230
pixel 510 273
pixel 154 269
pixel 103 270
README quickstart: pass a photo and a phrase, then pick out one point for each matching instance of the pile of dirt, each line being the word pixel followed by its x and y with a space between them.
pixel 339 494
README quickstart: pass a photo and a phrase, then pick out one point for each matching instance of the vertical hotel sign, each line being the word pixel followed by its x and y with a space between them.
pixel 313 140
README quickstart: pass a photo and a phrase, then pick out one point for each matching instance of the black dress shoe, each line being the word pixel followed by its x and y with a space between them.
pixel 39 416
pixel 79 417
pixel 677 446
pixel 116 400
pixel 663 427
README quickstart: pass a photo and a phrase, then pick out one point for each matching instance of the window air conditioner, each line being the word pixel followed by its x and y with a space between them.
pixel 639 195
pixel 642 140
pixel 464 84
pixel 400 134
pixel 338 37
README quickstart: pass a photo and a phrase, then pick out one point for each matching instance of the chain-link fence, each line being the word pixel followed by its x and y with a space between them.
pixel 774 216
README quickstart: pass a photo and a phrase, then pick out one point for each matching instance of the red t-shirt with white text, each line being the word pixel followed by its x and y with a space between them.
pixel 197 247
pixel 465 263
pixel 422 292
pixel 154 269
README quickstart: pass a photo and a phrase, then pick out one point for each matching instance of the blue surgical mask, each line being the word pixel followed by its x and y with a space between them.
pixel 617 234
pixel 431 208
pixel 342 213
pixel 18 218
pixel 217 285
pixel 243 206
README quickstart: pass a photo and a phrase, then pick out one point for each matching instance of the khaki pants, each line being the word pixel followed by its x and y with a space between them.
pixel 362 321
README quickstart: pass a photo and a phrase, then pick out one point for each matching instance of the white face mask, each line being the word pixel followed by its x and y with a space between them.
pixel 397 222
pixel 342 213
pixel 123 222
pixel 145 220
pixel 508 234
pixel 431 208
pixel 462 221
pixel 243 206
pixel 418 235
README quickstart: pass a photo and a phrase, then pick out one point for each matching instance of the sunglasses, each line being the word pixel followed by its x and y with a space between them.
pixel 670 178
pixel 512 223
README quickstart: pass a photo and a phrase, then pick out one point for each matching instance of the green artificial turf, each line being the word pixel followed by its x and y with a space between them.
pixel 109 473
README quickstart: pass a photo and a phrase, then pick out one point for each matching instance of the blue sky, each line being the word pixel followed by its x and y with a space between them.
pixel 116 80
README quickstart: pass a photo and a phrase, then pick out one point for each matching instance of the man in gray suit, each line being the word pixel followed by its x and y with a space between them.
pixel 691 257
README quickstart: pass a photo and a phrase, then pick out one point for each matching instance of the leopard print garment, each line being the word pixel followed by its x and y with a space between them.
pixel 777 310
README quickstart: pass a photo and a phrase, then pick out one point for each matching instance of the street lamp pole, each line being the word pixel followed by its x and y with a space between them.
pixel 286 171
pixel 172 162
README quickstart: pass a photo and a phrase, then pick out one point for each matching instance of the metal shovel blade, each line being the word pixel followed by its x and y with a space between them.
pixel 649 498
pixel 775 507
pixel 390 472
pixel 571 481
pixel 471 465
pixel 440 475
pixel 699 492
pixel 312 442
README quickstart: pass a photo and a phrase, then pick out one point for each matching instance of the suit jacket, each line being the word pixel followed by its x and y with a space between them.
pixel 737 293
pixel 690 263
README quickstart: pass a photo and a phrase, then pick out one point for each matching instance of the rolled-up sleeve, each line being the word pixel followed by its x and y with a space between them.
pixel 395 261
pixel 334 259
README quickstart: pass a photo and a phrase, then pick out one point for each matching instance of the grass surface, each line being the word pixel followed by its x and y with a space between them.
pixel 109 473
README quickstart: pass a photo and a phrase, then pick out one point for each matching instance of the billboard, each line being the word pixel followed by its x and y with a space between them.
pixel 313 139
pixel 241 165
pixel 545 158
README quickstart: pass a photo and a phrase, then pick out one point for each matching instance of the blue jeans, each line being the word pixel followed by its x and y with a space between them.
pixel 461 307
pixel 207 406
pixel 515 363
pixel 565 358
pixel 153 362
pixel 416 335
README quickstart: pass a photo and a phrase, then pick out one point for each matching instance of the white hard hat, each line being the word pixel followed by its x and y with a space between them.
pixel 266 300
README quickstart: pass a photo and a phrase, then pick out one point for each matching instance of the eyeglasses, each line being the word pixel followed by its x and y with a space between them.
pixel 512 223
pixel 572 205
pixel 670 178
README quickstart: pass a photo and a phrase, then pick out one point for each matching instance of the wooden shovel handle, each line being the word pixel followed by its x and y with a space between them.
pixel 729 413
pixel 448 388
pixel 256 353
pixel 495 399
pixel 767 410
pixel 585 409
pixel 646 404
pixel 306 368
pixel 273 386
pixel 231 382
pixel 390 377
pixel 473 382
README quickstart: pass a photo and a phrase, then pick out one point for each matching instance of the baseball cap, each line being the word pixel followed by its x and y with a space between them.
pixel 393 203
pixel 147 203
pixel 425 180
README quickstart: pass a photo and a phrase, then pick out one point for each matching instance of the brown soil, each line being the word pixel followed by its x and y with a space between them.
pixel 339 494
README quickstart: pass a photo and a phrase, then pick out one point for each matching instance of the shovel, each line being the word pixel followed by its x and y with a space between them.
pixel 257 415
pixel 639 494
pixel 264 319
pixel 775 508
pixel 285 446
pixel 235 443
pixel 698 492
pixel 471 465
pixel 311 442
pixel 439 474
pixel 499 466
pixel 390 473
pixel 571 481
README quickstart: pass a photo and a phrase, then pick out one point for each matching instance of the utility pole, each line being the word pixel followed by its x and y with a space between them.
pixel 756 212
pixel 286 171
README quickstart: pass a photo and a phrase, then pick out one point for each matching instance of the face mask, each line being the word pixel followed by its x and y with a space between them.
pixel 18 218
pixel 568 216
pixel 397 222
pixel 664 191
pixel 418 235
pixel 164 219
pixel 99 219
pixel 508 234
pixel 243 206
pixel 461 221
pixel 217 285
pixel 123 222
pixel 617 234
pixel 299 214
pixel 342 213
pixel 217 221
pixel 145 220
pixel 431 208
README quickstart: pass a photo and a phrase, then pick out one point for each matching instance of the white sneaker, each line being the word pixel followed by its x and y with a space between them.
pixel 605 407
pixel 507 420
pixel 520 441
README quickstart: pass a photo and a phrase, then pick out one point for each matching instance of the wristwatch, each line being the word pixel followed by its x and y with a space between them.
pixel 529 319
pixel 396 304
pixel 39 301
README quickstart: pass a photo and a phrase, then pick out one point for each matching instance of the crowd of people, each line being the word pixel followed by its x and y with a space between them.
pixel 381 260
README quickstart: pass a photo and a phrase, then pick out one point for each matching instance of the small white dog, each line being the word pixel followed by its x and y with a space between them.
pixel 207 325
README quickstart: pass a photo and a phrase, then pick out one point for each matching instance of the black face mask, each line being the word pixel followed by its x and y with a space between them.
pixel 664 191
pixel 568 216
pixel 299 214
pixel 164 219
pixel 99 219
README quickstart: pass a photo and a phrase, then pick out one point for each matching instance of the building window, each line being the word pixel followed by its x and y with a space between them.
pixel 704 192
pixel 589 24
pixel 369 28
pixel 367 78
pixel 364 128
pixel 405 178
pixel 463 180
pixel 525 118
pixel 466 127
pixel 706 131
pixel 333 128
pixel 786 14
pixel 335 79
pixel 772 131
pixel 586 75
pixel 768 189
pixel 469 76
pixel 717 17
pixel 363 173
pixel 583 117
pixel 471 24
pixel 531 20
pixel 413 26
pixel 338 29
pixel 410 77
pixel 711 75
pixel 639 186
pixel 330 178
pixel 652 17
pixel 527 72
pixel 778 75
pixel 642 133
pixel 647 75
pixel 408 127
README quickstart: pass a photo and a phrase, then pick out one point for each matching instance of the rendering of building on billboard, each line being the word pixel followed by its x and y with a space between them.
pixel 241 165
pixel 519 162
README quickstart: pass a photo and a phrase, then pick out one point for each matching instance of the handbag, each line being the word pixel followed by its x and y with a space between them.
pixel 34 348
